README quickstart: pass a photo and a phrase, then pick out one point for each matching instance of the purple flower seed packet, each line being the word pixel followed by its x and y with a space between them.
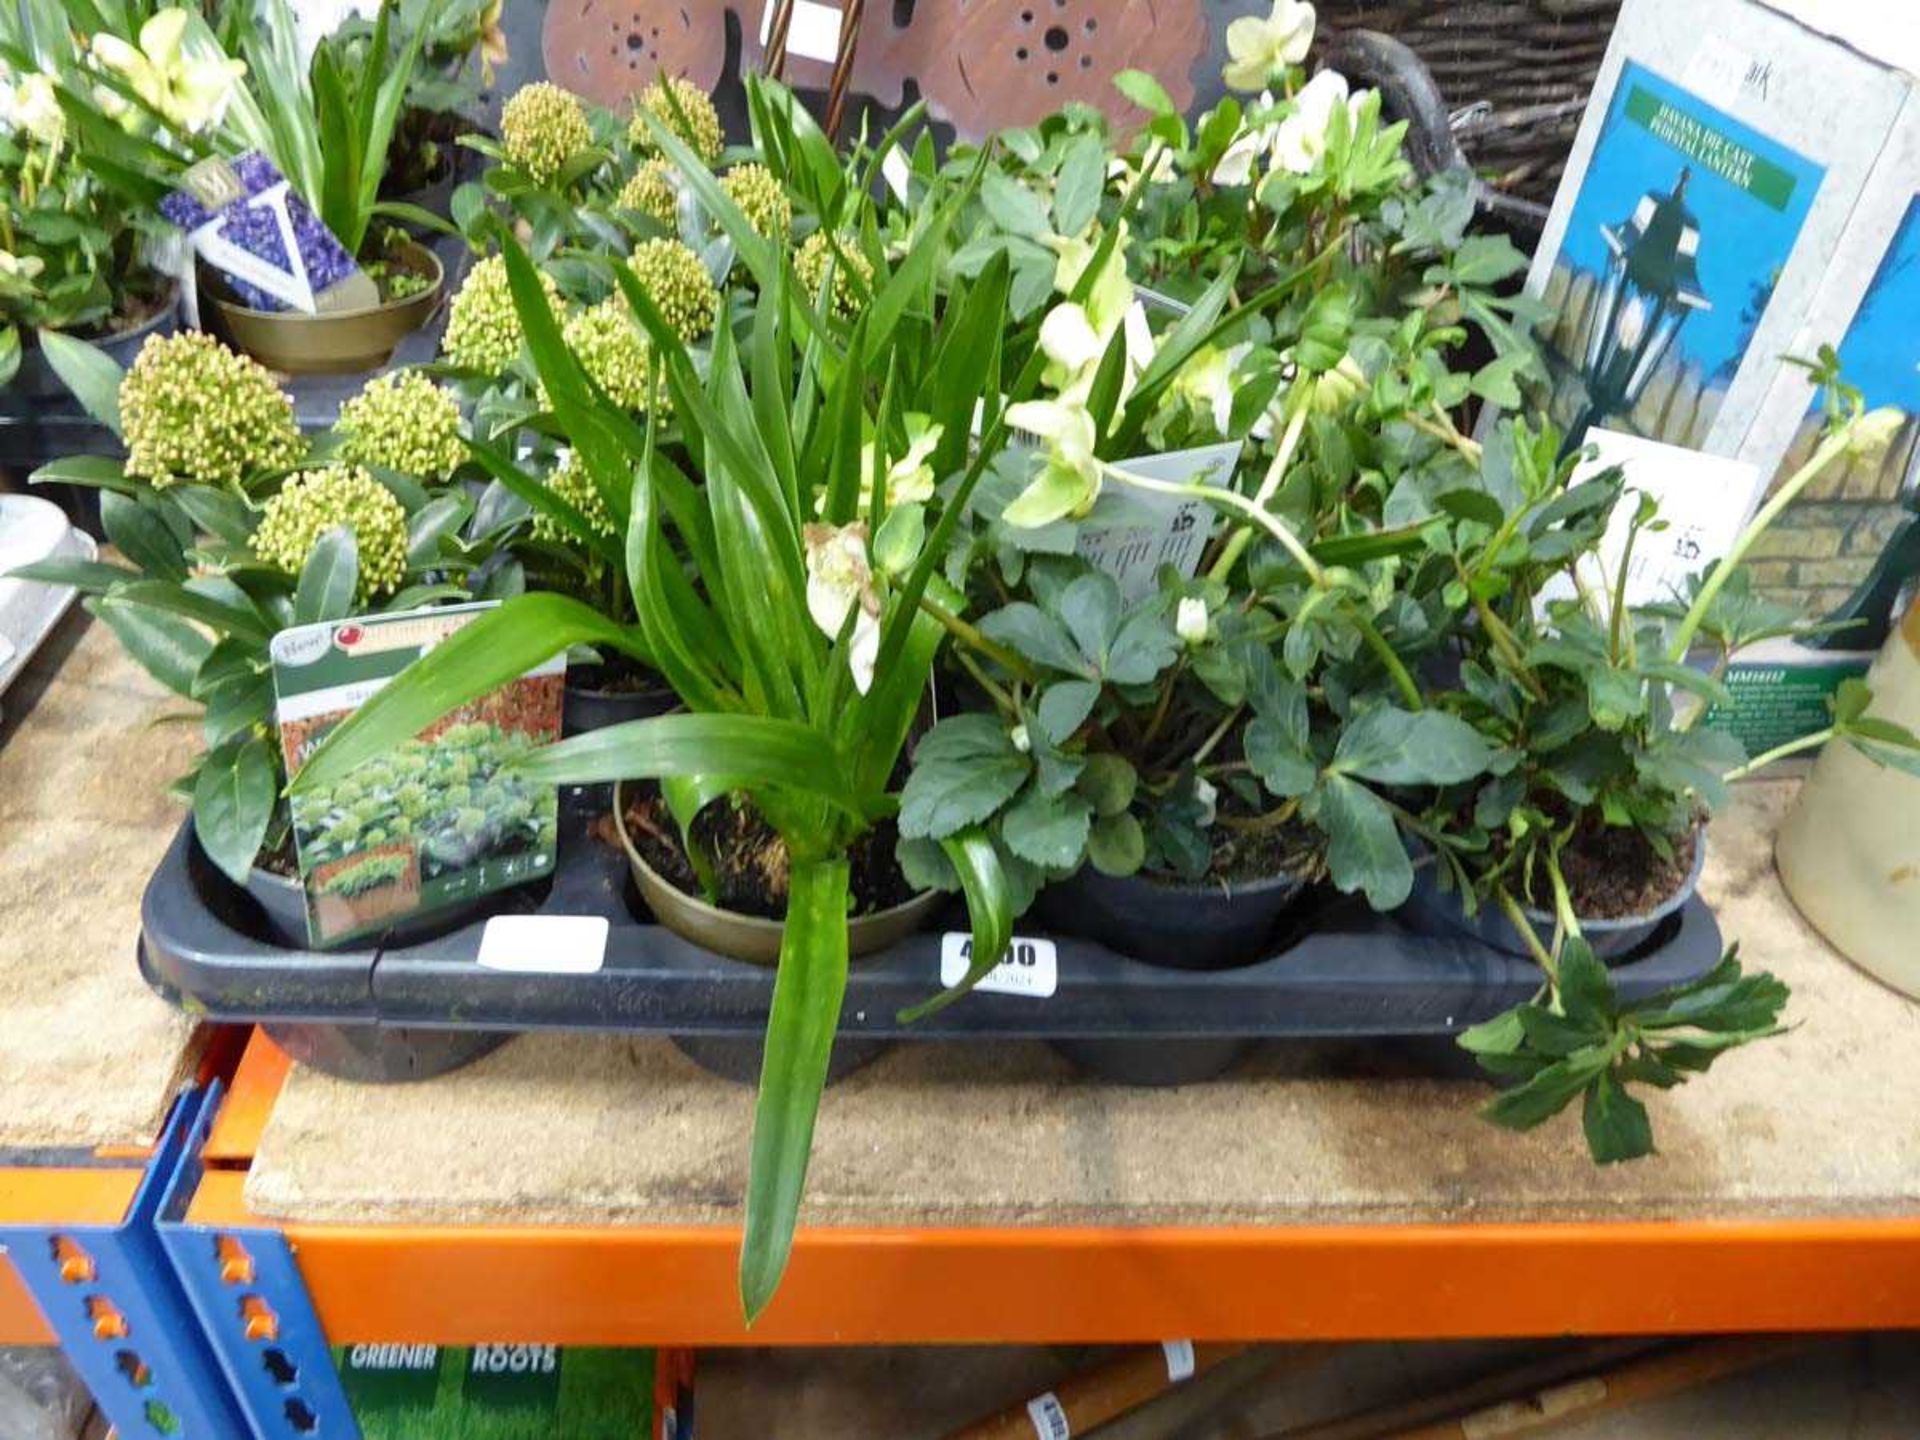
pixel 247 222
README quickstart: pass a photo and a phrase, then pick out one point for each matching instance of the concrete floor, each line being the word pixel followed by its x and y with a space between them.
pixel 1852 1388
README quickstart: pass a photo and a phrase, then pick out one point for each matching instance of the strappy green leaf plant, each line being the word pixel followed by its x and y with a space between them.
pixel 777 569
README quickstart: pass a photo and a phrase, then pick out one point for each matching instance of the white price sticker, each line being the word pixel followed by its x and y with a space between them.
pixel 1049 1418
pixel 1031 967
pixel 1180 1360
pixel 544 944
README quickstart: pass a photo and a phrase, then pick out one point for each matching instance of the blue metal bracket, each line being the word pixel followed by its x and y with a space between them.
pixel 246 1288
pixel 111 1298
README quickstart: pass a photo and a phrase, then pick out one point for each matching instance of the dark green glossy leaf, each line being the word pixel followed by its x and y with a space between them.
pixel 328 579
pixel 233 800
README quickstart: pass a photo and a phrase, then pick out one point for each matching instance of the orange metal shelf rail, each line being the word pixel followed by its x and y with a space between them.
pixel 675 1286
pixel 77 1195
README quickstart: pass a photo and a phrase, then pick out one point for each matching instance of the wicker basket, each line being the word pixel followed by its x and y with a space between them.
pixel 1517 72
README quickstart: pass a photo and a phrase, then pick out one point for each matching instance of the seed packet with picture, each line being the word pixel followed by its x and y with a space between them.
pixel 434 823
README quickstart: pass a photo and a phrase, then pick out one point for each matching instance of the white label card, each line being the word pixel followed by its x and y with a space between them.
pixel 813 33
pixel 544 944
pixel 1031 967
pixel 894 170
pixel 1165 529
pixel 1703 500
pixel 1179 1355
pixel 1049 1418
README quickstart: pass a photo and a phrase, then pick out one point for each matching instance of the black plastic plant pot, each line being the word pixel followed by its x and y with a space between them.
pixel 585 707
pixel 1432 910
pixel 281 906
pixel 1183 927
pixel 738 1057
pixel 36 380
pixel 381 1054
pixel 1178 927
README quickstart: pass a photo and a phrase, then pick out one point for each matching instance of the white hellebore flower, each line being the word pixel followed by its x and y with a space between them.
pixel 20 267
pixel 1260 50
pixel 1873 432
pixel 909 479
pixel 839 583
pixel 190 92
pixel 1205 383
pixel 1122 172
pixel 34 106
pixel 1069 478
pixel 1235 165
pixel 1190 620
pixel 1302 136
pixel 1069 339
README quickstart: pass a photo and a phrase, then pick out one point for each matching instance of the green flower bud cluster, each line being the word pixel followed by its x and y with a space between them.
pixel 193 410
pixel 316 501
pixel 544 127
pixel 760 198
pixel 678 284
pixel 650 190
pixel 572 484
pixel 614 351
pixel 689 115
pixel 816 253
pixel 403 421
pixel 483 328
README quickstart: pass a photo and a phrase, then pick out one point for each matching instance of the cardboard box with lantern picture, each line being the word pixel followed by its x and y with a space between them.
pixel 1743 190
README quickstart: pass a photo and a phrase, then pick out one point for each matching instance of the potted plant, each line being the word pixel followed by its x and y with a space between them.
pixel 776 585
pixel 1590 826
pixel 1181 758
pixel 148 110
pixel 229 530
pixel 74 252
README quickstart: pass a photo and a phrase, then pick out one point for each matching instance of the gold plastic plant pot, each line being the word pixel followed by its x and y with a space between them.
pixel 341 342
pixel 749 937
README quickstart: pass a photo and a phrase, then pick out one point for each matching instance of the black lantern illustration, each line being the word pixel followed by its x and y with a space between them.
pixel 1650 288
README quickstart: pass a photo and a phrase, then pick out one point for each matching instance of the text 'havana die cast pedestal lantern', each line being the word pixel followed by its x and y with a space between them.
pixel 1650 288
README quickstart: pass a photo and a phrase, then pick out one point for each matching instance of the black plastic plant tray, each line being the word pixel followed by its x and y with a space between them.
pixel 1349 973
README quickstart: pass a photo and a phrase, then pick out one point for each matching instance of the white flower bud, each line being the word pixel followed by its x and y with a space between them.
pixel 1190 620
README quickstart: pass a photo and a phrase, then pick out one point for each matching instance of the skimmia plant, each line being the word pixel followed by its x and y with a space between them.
pixel 230 528
pixel 777 553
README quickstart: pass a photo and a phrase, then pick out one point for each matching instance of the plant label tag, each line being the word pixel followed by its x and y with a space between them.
pixel 544 944
pixel 893 169
pixel 1049 1418
pixel 1180 1359
pixel 1703 499
pixel 813 33
pixel 1150 530
pixel 438 820
pixel 247 223
pixel 1031 967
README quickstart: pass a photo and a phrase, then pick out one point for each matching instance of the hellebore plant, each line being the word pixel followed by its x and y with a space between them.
pixel 146 109
pixel 1264 712
pixel 1600 773
pixel 73 259
pixel 776 584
